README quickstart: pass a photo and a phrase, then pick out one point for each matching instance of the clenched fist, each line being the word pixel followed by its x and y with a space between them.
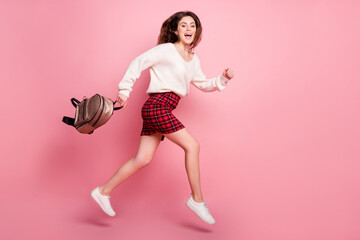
pixel 122 99
pixel 228 73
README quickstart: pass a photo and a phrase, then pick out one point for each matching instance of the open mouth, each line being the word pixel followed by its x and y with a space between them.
pixel 188 36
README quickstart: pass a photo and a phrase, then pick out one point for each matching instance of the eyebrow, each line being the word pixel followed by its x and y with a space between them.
pixel 186 23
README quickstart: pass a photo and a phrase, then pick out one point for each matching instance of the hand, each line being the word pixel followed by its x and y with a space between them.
pixel 122 99
pixel 228 73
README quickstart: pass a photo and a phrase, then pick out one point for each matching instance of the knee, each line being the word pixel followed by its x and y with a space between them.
pixel 193 147
pixel 142 161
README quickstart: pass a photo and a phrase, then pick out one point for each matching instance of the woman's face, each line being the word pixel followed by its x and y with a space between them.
pixel 186 30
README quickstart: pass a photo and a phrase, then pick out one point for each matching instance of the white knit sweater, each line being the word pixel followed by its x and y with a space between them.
pixel 169 72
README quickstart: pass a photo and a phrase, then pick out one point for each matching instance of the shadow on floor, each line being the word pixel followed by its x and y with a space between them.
pixel 194 227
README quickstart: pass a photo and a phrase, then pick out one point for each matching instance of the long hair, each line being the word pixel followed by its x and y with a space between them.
pixel 169 27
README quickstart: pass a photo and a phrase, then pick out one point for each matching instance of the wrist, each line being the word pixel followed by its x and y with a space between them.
pixel 124 92
pixel 224 78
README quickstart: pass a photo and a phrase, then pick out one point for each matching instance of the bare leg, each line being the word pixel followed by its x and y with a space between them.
pixel 147 148
pixel 186 141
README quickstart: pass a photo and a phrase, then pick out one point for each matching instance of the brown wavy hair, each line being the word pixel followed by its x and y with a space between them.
pixel 169 27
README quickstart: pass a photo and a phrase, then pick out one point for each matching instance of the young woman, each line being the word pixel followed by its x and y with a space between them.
pixel 173 66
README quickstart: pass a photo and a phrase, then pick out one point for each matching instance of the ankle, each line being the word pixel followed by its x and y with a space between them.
pixel 197 198
pixel 103 191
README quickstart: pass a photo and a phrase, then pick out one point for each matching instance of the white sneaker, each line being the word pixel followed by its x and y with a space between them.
pixel 103 202
pixel 201 210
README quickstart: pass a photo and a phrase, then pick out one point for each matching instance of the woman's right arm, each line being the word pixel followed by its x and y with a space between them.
pixel 139 64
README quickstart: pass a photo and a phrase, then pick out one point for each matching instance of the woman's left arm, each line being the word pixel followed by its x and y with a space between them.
pixel 209 85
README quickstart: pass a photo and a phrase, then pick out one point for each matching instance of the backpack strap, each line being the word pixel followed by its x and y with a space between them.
pixel 69 121
pixel 116 108
pixel 75 102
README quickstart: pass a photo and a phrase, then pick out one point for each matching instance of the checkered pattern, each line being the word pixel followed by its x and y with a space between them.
pixel 157 114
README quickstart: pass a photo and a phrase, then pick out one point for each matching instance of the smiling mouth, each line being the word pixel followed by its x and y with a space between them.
pixel 188 36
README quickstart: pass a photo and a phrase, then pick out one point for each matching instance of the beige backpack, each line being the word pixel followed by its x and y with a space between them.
pixel 91 113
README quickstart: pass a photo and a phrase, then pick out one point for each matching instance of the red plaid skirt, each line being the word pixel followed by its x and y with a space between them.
pixel 157 114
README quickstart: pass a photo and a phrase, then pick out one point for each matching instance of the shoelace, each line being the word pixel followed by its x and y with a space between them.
pixel 107 202
pixel 206 209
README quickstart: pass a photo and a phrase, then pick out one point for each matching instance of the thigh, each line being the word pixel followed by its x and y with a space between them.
pixel 148 145
pixel 183 138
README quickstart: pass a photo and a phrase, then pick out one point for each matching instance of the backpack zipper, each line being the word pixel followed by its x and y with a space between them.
pixel 102 110
pixel 84 108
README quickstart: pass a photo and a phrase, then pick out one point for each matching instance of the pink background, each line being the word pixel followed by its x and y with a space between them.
pixel 280 145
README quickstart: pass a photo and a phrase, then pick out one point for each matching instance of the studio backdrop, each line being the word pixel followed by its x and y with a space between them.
pixel 279 145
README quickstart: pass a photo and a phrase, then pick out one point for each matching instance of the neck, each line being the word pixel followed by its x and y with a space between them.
pixel 182 46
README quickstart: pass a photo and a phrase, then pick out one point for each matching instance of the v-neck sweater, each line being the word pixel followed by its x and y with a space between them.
pixel 169 72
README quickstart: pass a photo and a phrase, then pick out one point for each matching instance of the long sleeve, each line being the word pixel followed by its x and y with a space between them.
pixel 134 70
pixel 208 85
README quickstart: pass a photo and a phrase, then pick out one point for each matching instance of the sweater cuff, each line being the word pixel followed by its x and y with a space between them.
pixel 222 82
pixel 125 92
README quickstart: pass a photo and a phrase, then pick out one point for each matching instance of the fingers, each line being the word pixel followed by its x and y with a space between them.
pixel 228 73
pixel 122 103
pixel 122 99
